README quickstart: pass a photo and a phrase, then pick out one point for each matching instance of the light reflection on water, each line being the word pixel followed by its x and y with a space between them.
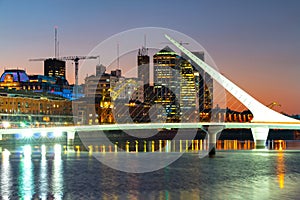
pixel 5 177
pixel 26 168
pixel 280 169
pixel 43 179
pixel 57 175
pixel 48 171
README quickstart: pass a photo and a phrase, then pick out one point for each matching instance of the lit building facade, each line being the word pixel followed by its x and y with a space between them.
pixel 34 108
pixel 13 79
pixel 204 88
pixel 107 98
pixel 17 79
pixel 167 83
pixel 188 92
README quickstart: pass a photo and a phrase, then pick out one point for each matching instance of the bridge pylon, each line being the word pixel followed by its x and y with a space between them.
pixel 260 135
pixel 70 140
pixel 214 132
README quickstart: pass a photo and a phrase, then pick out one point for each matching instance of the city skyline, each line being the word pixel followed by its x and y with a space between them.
pixel 255 44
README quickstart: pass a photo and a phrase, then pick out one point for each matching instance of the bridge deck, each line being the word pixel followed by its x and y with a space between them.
pixel 200 125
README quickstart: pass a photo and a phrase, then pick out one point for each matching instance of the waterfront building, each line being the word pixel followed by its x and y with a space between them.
pixel 17 79
pixel 34 109
pixel 13 79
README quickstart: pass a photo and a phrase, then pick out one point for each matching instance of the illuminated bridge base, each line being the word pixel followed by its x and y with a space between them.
pixel 260 135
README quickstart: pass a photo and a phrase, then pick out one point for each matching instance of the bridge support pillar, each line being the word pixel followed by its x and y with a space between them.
pixel 214 132
pixel 70 140
pixel 260 135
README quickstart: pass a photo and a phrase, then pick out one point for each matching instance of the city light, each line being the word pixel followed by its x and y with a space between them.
pixel 57 149
pixel 43 150
pixel 43 134
pixel 27 151
pixel 27 133
pixel 57 133
pixel 5 124
pixel 5 154
pixel 22 124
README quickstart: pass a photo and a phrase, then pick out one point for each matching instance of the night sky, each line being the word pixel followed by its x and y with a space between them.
pixel 256 44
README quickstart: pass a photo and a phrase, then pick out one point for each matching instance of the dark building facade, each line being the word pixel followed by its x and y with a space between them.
pixel 55 68
pixel 143 66
pixel 143 61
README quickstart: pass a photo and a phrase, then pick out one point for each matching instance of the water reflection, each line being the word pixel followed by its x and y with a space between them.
pixel 235 145
pixel 53 174
pixel 280 170
pixel 166 146
pixel 278 145
pixel 43 173
pixel 26 182
pixel 57 173
pixel 6 182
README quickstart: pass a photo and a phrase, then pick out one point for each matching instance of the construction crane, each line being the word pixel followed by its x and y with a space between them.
pixel 75 59
pixel 76 63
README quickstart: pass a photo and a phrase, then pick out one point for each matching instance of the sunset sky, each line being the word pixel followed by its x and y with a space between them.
pixel 256 44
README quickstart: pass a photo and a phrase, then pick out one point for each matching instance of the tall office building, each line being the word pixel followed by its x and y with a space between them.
pixel 143 61
pixel 55 68
pixel 204 84
pixel 143 66
pixel 188 92
pixel 166 83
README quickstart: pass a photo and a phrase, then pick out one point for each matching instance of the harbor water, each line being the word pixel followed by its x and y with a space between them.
pixel 50 172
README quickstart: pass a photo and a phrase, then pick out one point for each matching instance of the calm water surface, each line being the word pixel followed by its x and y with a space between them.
pixel 232 174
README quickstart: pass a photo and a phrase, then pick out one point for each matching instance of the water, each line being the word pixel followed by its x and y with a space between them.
pixel 49 171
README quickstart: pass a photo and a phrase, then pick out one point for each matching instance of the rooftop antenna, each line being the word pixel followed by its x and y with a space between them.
pixel 144 50
pixel 57 49
pixel 55 41
pixel 118 59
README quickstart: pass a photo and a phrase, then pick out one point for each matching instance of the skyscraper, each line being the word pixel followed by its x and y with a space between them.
pixel 166 82
pixel 188 92
pixel 143 65
pixel 143 61
pixel 204 85
pixel 55 68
